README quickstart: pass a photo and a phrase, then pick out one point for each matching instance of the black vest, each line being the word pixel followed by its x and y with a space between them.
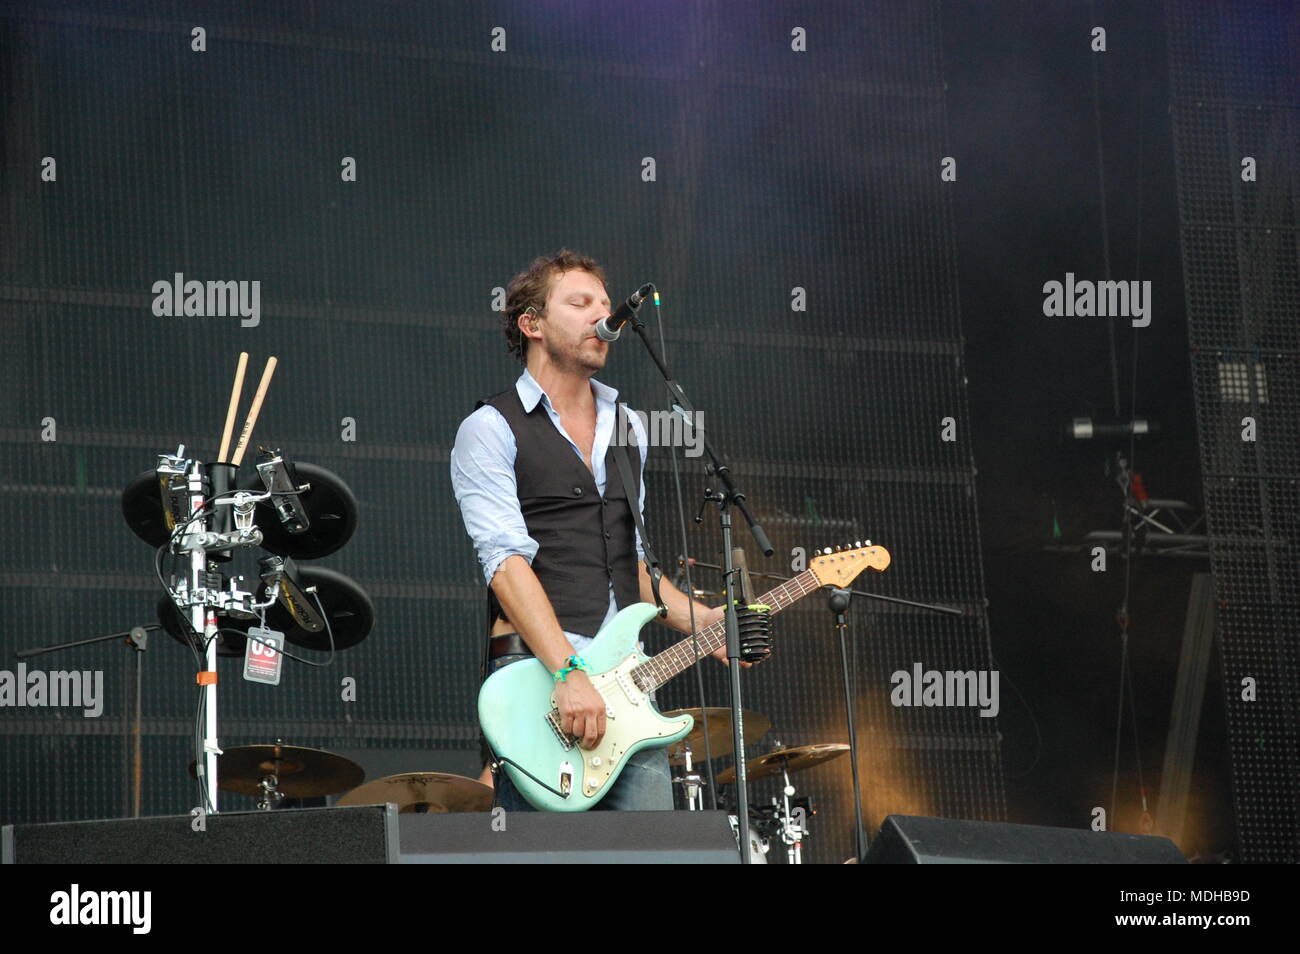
pixel 585 542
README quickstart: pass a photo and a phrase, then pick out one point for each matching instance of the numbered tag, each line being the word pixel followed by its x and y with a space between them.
pixel 262 656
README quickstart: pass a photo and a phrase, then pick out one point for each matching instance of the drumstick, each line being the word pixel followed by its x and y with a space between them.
pixel 234 405
pixel 254 411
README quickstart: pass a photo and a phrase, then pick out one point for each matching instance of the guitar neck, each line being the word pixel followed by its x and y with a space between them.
pixel 658 669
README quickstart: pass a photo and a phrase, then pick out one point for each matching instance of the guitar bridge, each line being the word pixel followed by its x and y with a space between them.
pixel 553 720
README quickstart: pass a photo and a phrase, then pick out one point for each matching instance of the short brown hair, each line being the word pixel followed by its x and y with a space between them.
pixel 530 288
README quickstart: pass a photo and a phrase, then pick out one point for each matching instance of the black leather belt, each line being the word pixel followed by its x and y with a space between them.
pixel 507 644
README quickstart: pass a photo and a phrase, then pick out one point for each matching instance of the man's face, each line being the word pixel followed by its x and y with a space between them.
pixel 577 301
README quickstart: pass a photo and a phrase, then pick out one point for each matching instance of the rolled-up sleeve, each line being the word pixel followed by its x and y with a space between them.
pixel 483 479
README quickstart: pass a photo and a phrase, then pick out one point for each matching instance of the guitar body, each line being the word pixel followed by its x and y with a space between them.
pixel 516 706
pixel 516 703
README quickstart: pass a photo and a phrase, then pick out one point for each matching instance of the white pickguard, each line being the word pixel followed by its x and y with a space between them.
pixel 630 718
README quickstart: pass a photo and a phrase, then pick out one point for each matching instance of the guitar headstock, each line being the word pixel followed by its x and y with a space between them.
pixel 841 567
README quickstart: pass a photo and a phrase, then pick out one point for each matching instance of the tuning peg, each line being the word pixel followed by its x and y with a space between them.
pixel 827 550
pixel 868 543
pixel 857 544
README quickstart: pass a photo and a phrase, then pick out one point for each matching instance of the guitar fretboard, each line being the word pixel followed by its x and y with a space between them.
pixel 679 657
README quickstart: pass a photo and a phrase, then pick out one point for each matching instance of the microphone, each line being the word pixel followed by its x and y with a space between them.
pixel 608 329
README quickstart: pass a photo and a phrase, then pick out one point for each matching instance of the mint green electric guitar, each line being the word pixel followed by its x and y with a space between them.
pixel 516 706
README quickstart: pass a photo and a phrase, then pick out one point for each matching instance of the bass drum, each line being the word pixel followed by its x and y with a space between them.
pixel 757 846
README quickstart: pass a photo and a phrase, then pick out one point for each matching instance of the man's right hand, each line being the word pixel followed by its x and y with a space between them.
pixel 582 709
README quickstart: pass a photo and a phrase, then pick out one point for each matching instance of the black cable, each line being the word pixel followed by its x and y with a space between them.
pixel 197 742
pixel 1105 222
pixel 1125 670
pixel 1132 448
pixel 502 760
pixel 328 629
pixel 200 756
pixel 1038 732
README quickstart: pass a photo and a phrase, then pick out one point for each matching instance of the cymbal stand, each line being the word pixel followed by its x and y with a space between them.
pixel 692 784
pixel 271 796
pixel 792 832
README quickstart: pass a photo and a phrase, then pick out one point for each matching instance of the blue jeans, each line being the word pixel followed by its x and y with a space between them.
pixel 644 785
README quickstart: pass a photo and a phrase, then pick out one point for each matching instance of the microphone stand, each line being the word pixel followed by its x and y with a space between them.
pixel 726 497
pixel 929 607
pixel 138 639
pixel 839 605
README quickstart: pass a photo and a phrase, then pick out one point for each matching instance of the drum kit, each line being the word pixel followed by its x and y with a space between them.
pixel 274 773
pixel 198 514
pixel 785 818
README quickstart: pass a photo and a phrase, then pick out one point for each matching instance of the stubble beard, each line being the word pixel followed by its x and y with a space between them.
pixel 574 361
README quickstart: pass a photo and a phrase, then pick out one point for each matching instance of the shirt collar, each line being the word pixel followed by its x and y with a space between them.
pixel 530 392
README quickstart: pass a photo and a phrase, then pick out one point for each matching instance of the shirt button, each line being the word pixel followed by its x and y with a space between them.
pixel 604 502
pixel 577 491
pixel 609 569
pixel 606 534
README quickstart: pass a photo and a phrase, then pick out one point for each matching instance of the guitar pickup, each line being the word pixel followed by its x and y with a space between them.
pixel 553 720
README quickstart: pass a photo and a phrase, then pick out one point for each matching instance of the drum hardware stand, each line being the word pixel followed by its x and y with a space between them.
pixel 270 797
pixel 692 783
pixel 203 613
pixel 792 833
pixel 203 602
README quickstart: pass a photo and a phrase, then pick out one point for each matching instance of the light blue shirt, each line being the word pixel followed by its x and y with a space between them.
pixel 483 478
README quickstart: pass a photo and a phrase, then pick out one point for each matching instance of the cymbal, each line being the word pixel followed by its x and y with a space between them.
pixel 756 726
pixel 794 759
pixel 299 772
pixel 424 792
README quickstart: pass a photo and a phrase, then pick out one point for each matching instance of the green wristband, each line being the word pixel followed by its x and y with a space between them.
pixel 574 664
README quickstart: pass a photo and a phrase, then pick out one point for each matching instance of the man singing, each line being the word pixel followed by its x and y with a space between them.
pixel 540 493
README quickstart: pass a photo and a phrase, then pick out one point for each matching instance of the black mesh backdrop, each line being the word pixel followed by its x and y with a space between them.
pixel 1236 82
pixel 775 170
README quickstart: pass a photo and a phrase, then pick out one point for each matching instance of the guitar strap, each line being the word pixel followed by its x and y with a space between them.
pixel 634 504
pixel 487 639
